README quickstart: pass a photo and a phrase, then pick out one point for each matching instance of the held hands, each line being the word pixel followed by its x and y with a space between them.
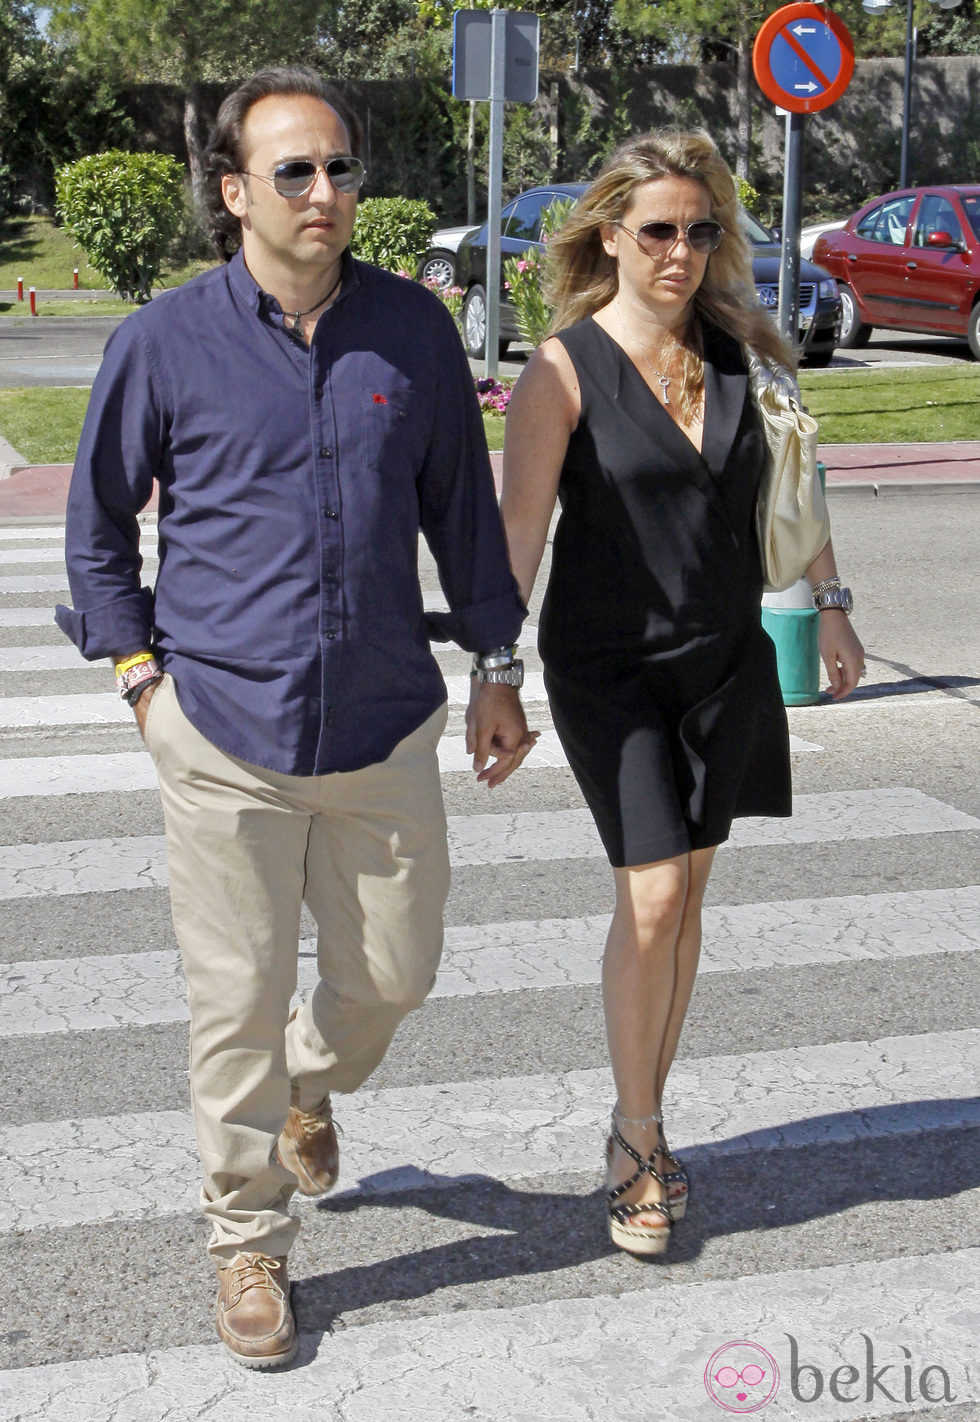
pixel 495 725
pixel 841 652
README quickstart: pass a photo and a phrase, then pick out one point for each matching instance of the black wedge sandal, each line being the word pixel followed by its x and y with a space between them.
pixel 637 1239
pixel 677 1180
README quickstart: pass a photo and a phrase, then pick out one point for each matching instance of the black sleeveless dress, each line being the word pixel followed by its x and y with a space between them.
pixel 661 679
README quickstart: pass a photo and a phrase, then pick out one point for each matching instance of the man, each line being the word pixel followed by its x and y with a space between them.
pixel 305 416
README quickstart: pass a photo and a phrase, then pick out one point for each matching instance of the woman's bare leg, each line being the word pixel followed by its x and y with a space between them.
pixel 648 973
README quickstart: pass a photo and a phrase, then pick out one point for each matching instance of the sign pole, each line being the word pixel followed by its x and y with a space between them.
pixel 789 259
pixel 498 50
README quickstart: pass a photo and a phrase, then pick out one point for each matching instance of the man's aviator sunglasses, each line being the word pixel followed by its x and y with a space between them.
pixel 293 179
pixel 655 238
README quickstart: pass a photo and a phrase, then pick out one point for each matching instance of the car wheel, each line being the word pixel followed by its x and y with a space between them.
pixel 475 324
pixel 438 268
pixel 475 321
pixel 973 331
pixel 853 331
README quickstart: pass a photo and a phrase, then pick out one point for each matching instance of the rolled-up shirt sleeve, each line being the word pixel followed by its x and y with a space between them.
pixel 460 517
pixel 120 451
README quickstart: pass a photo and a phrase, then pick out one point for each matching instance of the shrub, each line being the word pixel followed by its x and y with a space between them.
pixel 524 278
pixel 392 232
pixel 123 210
pixel 531 311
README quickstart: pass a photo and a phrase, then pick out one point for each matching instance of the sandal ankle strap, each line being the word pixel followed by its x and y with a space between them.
pixel 655 1116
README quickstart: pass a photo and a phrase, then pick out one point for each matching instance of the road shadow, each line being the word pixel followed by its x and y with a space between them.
pixel 766 1185
pixel 910 686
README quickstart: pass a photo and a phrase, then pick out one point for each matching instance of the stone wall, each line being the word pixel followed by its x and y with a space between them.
pixel 414 129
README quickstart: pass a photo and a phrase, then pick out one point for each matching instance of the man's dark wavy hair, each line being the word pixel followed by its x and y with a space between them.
pixel 225 152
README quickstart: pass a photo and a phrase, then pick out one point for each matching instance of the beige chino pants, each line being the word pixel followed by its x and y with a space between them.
pixel 367 851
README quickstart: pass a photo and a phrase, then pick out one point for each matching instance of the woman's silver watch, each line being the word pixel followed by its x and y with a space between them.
pixel 828 597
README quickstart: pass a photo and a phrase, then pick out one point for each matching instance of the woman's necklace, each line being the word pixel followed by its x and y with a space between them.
pixel 662 380
pixel 296 329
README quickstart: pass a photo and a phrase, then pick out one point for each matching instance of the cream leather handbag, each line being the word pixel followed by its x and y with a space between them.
pixel 791 513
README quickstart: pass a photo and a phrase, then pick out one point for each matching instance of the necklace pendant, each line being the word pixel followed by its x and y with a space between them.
pixel 297 326
pixel 665 385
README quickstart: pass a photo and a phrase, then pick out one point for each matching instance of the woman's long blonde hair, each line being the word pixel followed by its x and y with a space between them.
pixel 582 277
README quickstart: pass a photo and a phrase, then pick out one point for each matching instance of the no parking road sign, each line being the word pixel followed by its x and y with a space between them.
pixel 803 58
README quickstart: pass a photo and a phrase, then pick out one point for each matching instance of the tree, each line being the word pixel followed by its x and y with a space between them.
pixel 692 30
pixel 123 209
pixel 187 42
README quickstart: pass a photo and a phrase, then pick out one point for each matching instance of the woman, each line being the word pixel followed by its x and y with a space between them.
pixel 637 414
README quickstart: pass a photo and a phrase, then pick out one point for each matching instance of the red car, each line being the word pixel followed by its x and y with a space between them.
pixel 909 261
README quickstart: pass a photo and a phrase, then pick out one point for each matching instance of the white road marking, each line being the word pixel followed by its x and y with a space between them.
pixel 105 865
pixel 26 617
pixel 129 989
pixel 54 555
pixel 140 1165
pixel 576 1358
pixel 35 583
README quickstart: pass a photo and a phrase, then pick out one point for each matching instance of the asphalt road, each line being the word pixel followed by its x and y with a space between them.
pixel 825 1095
pixel 53 350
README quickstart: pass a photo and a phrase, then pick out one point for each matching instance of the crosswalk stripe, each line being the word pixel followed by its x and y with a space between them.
pixel 135 1165
pixel 34 583
pixel 106 708
pixel 53 555
pixel 577 1358
pixel 128 989
pixel 90 866
pixel 15 533
pixel 23 532
pixel 124 771
pixel 26 617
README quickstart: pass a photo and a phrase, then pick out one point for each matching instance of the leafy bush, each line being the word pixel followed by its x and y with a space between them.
pixel 124 210
pixel 532 313
pixel 748 196
pixel 524 274
pixel 392 232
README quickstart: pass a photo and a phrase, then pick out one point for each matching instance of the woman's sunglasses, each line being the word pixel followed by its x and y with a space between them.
pixel 655 238
pixel 293 179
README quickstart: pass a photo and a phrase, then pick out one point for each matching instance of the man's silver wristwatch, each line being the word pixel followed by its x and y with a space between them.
pixel 828 597
pixel 500 667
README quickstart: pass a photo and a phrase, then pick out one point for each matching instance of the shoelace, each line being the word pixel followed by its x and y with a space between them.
pixel 309 1123
pixel 252 1271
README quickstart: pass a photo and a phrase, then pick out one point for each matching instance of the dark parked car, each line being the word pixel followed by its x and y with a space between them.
pixel 909 261
pixel 820 307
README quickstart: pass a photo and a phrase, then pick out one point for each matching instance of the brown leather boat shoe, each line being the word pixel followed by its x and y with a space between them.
pixel 308 1147
pixel 254 1317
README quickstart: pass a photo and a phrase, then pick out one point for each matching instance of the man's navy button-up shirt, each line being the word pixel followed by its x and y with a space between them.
pixel 293 484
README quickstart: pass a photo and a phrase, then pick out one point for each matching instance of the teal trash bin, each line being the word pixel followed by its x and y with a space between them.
pixel 792 622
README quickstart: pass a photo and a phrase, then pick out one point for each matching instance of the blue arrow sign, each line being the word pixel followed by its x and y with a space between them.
pixel 806 57
pixel 803 57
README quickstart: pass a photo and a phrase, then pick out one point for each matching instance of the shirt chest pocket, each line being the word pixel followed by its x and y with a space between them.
pixel 390 434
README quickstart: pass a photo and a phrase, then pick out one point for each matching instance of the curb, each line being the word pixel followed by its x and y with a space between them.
pixel 11 460
pixel 904 486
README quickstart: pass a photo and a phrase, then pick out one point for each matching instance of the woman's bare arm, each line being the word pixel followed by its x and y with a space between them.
pixel 543 411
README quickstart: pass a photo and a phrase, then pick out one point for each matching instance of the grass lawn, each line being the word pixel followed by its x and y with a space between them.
pixel 494 426
pixel 109 306
pixel 917 404
pixel 43 423
pixel 45 256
